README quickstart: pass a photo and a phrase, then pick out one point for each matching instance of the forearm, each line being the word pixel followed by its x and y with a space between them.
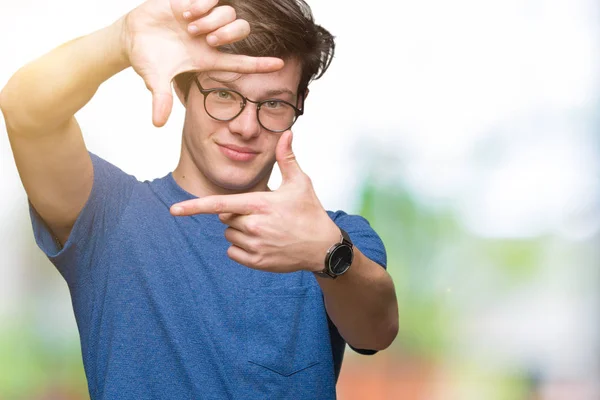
pixel 362 304
pixel 48 92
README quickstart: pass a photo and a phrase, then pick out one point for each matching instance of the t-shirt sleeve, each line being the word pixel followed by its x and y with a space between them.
pixel 99 217
pixel 363 236
pixel 370 244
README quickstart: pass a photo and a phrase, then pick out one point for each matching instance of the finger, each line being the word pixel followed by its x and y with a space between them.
pixel 239 239
pixel 286 159
pixel 240 256
pixel 234 220
pixel 232 32
pixel 226 217
pixel 242 223
pixel 198 8
pixel 162 104
pixel 234 203
pixel 246 64
pixel 162 98
pixel 215 19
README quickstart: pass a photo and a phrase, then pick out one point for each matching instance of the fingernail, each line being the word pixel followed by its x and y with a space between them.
pixel 177 210
pixel 212 40
pixel 192 29
pixel 187 15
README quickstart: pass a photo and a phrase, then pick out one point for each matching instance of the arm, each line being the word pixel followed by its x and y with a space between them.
pixel 288 230
pixel 39 103
pixel 362 302
pixel 40 100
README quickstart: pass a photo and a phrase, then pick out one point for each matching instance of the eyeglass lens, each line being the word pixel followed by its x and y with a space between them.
pixel 274 115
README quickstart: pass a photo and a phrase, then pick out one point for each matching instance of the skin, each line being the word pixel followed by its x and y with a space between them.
pixel 288 230
pixel 47 143
pixel 283 231
pixel 203 169
pixel 161 41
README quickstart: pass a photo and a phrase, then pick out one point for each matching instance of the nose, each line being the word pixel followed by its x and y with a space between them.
pixel 246 124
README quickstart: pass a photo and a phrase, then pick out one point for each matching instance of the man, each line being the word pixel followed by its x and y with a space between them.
pixel 204 283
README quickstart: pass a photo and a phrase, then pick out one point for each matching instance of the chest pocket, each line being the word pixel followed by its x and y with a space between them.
pixel 287 329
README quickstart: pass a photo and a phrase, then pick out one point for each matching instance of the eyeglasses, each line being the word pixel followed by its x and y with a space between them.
pixel 224 104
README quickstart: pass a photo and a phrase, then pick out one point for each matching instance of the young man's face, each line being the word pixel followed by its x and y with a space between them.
pixel 236 155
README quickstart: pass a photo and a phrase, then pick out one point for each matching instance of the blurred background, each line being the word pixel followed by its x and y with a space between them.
pixel 467 132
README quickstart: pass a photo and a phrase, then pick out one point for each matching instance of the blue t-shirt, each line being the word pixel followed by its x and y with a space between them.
pixel 164 313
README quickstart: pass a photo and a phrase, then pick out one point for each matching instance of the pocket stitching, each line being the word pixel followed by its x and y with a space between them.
pixel 282 373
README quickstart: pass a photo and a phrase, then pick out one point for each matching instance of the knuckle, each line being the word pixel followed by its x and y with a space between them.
pixel 306 180
pixel 258 261
pixel 229 12
pixel 261 206
pixel 219 206
pixel 235 30
pixel 256 247
pixel 253 228
pixel 256 208
pixel 202 7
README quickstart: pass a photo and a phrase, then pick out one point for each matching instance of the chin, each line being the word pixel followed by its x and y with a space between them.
pixel 239 179
pixel 237 184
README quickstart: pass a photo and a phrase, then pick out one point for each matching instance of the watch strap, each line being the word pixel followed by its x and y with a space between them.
pixel 344 240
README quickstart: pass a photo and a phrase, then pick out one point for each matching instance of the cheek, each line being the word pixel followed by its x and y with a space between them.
pixel 198 126
pixel 195 115
pixel 272 142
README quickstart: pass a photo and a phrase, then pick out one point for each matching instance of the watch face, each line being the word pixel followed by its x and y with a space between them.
pixel 341 259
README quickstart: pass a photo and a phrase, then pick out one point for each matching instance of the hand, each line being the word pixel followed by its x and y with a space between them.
pixel 281 231
pixel 160 43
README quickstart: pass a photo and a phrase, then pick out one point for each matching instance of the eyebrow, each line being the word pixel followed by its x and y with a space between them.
pixel 268 93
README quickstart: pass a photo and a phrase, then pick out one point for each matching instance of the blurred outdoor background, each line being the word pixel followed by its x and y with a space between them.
pixel 467 132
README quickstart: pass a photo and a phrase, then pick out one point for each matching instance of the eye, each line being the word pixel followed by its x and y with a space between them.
pixel 273 104
pixel 223 95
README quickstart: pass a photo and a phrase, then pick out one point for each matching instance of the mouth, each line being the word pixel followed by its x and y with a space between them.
pixel 237 153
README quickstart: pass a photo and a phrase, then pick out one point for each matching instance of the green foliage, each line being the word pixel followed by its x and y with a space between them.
pixel 31 368
pixel 518 259
pixel 412 236
pixel 429 253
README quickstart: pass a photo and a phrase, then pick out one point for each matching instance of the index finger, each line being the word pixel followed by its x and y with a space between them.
pixel 246 64
pixel 234 203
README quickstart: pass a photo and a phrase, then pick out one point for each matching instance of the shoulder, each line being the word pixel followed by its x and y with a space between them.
pixel 343 219
pixel 103 169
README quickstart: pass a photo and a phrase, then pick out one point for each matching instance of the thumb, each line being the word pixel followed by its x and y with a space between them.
pixel 285 157
pixel 162 99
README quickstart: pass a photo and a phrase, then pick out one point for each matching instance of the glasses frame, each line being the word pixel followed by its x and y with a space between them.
pixel 205 92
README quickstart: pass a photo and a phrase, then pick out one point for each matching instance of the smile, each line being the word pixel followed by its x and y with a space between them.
pixel 236 153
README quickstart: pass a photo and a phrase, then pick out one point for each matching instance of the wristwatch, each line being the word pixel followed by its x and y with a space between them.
pixel 338 258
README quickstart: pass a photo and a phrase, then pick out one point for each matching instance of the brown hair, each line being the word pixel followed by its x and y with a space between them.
pixel 279 28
